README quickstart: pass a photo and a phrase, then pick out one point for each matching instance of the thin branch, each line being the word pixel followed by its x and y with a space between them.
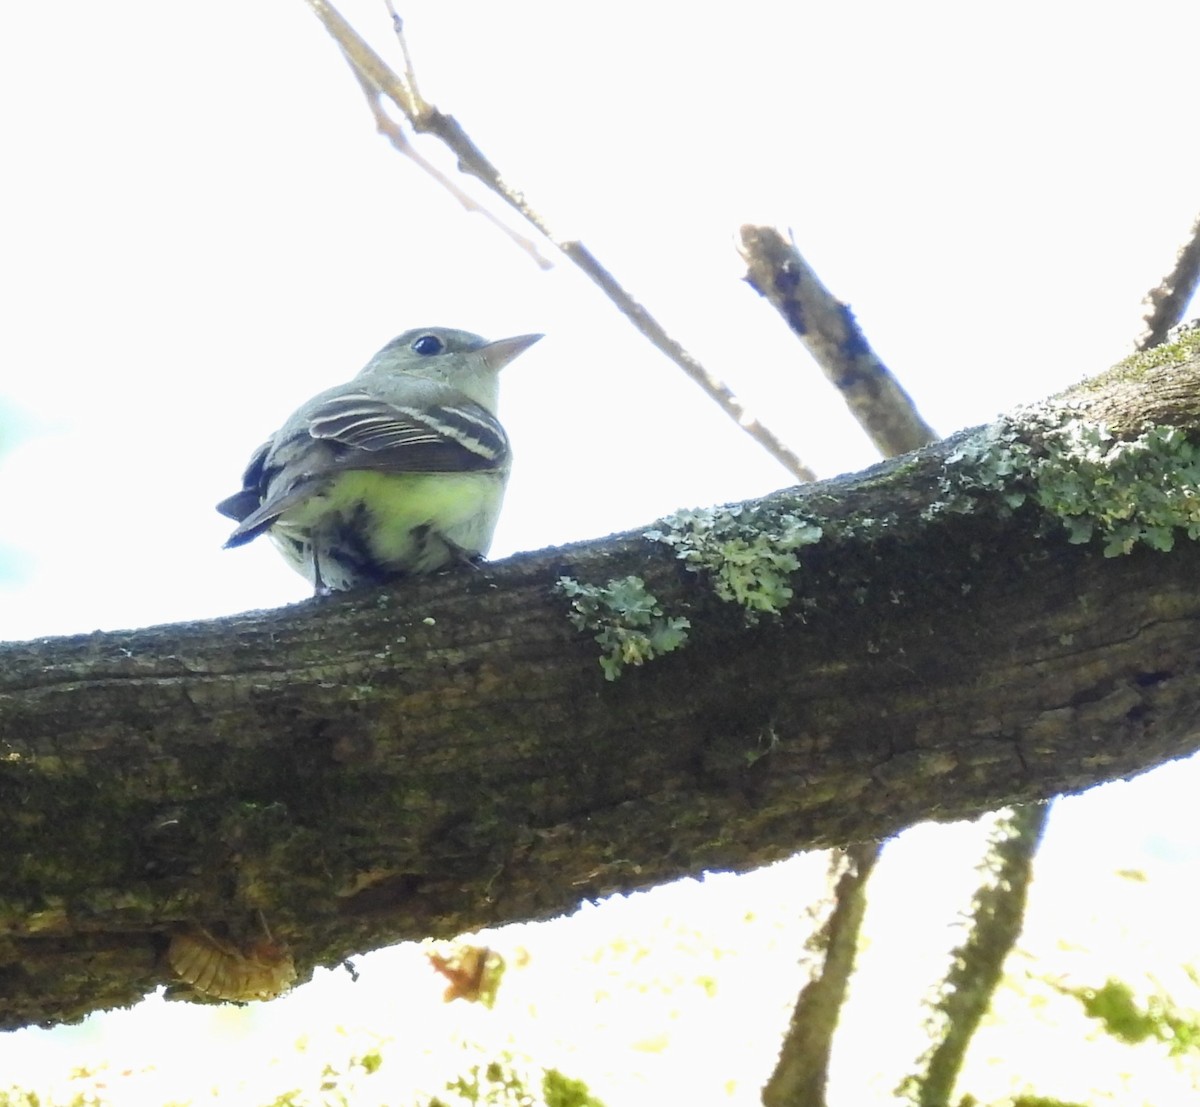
pixel 425 118
pixel 655 332
pixel 410 75
pixel 829 330
pixel 998 910
pixel 997 915
pixel 1167 303
pixel 390 130
pixel 802 1071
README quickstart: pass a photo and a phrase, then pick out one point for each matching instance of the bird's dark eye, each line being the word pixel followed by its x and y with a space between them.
pixel 428 345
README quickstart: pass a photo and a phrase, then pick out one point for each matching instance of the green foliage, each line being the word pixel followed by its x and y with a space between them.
pixel 1043 1101
pixel 562 1091
pixel 1114 1005
pixel 369 1062
pixel 748 554
pixel 499 1084
pixel 337 1088
pixel 1023 1101
pixel 495 1084
pixel 1122 491
pixel 15 1097
pixel 628 621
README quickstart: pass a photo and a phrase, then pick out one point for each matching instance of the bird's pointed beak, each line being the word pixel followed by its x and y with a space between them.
pixel 499 353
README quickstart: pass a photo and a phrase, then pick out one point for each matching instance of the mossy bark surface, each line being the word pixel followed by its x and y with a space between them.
pixel 448 754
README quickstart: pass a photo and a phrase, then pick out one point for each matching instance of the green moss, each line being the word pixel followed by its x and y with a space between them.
pixel 1086 480
pixel 1183 344
pixel 748 554
pixel 628 621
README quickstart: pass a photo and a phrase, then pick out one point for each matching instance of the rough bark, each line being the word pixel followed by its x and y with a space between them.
pixel 446 754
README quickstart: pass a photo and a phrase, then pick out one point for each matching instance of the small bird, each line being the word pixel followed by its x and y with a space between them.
pixel 400 471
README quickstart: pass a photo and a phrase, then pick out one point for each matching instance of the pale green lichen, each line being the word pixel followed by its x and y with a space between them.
pixel 628 621
pixel 1123 491
pixel 748 555
pixel 1145 489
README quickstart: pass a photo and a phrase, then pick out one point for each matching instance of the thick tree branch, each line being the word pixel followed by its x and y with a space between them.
pixel 838 345
pixel 447 754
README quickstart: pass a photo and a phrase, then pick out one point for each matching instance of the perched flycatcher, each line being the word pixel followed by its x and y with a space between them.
pixel 400 471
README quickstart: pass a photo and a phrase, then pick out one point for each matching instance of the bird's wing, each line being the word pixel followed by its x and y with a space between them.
pixel 452 436
pixel 355 430
pixel 283 473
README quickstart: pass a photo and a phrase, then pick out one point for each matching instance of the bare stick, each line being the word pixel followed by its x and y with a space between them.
pixel 1166 304
pixel 410 76
pixel 997 915
pixel 425 118
pixel 390 130
pixel 802 1070
pixel 889 417
pixel 828 329
pixel 654 331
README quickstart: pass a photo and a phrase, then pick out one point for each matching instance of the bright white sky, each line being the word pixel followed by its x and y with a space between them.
pixel 202 229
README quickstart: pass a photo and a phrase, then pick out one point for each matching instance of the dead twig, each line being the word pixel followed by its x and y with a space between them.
pixel 886 413
pixel 1166 304
pixel 392 131
pixel 977 965
pixel 802 1070
pixel 831 334
pixel 658 336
